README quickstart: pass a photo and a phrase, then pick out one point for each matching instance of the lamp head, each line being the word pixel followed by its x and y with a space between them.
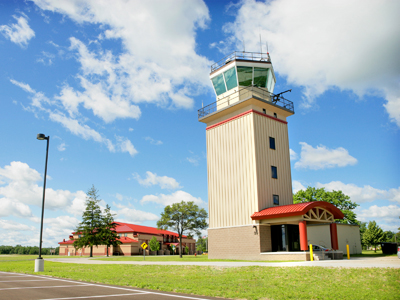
pixel 41 136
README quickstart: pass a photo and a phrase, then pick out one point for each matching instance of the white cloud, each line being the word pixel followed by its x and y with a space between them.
pixel 163 68
pixel 73 124
pixel 387 217
pixel 322 157
pixel 19 33
pixel 84 131
pixel 363 194
pixel 153 141
pixel 46 58
pixel 297 186
pixel 77 205
pixel 61 147
pixel 19 189
pixel 293 155
pixel 15 226
pixel 132 215
pixel 164 182
pixel 350 45
pixel 193 160
pixel 175 197
pixel 126 145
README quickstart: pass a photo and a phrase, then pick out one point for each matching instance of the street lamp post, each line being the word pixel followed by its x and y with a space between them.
pixel 39 262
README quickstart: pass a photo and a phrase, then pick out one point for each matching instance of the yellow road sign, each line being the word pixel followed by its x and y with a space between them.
pixel 144 245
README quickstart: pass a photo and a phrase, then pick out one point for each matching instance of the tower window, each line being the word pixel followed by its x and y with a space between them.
pixel 276 199
pixel 274 172
pixel 219 84
pixel 272 143
pixel 275 115
pixel 264 111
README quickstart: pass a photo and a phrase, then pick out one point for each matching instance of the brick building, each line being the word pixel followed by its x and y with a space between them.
pixel 131 236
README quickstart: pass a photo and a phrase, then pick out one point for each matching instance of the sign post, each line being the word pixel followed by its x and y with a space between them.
pixel 144 246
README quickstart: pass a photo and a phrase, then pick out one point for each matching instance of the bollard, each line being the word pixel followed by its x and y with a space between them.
pixel 311 253
pixel 348 251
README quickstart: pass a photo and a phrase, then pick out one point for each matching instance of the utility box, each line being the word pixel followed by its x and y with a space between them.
pixel 389 248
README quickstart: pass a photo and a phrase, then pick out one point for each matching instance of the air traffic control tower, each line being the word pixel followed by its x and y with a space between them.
pixel 251 210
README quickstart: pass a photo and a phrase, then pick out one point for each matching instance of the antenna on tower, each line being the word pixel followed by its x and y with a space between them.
pixel 244 48
pixel 260 44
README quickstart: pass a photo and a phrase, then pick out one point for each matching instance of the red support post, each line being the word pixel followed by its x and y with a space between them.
pixel 334 237
pixel 303 235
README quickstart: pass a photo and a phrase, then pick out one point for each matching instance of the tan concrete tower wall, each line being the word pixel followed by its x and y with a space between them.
pixel 264 128
pixel 232 189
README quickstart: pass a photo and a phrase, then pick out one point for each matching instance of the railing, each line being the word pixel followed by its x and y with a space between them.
pixel 245 93
pixel 254 56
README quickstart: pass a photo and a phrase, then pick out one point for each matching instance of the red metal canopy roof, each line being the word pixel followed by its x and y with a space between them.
pixel 296 210
pixel 126 240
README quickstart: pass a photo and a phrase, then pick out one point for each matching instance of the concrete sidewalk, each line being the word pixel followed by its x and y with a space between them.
pixel 356 262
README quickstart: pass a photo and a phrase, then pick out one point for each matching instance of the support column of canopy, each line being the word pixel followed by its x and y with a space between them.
pixel 334 237
pixel 303 235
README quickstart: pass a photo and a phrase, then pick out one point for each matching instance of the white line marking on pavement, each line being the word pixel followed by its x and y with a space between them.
pixel 22 280
pixel 106 286
pixel 99 296
pixel 42 287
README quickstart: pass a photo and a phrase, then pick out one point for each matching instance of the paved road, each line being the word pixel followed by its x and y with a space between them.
pixel 356 262
pixel 34 287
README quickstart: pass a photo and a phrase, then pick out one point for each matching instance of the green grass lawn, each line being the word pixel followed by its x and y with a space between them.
pixel 372 253
pixel 17 257
pixel 187 258
pixel 237 283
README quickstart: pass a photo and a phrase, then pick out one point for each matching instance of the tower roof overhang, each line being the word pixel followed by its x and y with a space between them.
pixel 313 211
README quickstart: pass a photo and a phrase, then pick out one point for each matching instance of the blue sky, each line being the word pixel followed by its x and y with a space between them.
pixel 117 87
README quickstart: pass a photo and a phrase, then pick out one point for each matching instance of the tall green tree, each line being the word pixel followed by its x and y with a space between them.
pixel 154 245
pixel 336 198
pixel 201 244
pixel 92 221
pixel 107 232
pixel 373 235
pixel 363 227
pixel 182 217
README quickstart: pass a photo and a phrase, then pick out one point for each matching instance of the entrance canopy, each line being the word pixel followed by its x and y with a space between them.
pixel 318 211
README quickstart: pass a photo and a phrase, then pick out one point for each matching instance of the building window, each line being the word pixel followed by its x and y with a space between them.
pixel 274 172
pixel 125 235
pixel 276 199
pixel 120 234
pixel 272 143
pixel 79 236
pixel 264 111
pixel 275 115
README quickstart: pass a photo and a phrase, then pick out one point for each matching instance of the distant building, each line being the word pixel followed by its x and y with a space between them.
pixel 251 210
pixel 131 236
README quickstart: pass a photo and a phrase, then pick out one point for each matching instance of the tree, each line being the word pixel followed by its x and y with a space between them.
pixel 389 236
pixel 92 221
pixel 336 198
pixel 373 235
pixel 154 244
pixel 181 217
pixel 108 235
pixel 201 244
pixel 363 227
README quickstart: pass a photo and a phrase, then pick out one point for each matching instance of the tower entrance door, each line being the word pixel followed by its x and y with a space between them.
pixel 285 238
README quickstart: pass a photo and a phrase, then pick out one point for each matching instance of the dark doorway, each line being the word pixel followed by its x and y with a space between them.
pixel 285 238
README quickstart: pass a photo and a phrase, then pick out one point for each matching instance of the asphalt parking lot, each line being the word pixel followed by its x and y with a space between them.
pixel 17 286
